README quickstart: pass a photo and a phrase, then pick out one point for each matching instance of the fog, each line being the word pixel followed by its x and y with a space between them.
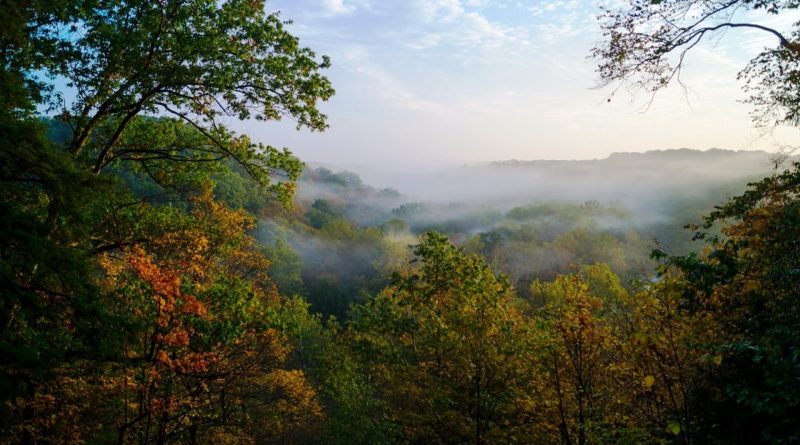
pixel 528 219
pixel 648 184
pixel 655 192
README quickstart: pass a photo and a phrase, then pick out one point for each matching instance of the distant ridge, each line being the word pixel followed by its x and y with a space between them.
pixel 635 179
pixel 678 154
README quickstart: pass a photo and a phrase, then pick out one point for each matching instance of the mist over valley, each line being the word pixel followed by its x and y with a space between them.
pixel 529 219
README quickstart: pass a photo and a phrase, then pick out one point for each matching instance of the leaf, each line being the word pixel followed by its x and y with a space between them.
pixel 648 382
pixel 674 428
pixel 717 359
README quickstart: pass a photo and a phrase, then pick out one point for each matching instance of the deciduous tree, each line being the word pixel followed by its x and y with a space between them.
pixel 449 350
pixel 646 44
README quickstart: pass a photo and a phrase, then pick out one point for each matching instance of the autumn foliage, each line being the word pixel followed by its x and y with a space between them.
pixel 138 307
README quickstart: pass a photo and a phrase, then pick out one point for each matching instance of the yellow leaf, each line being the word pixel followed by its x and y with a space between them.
pixel 717 359
pixel 649 380
pixel 674 428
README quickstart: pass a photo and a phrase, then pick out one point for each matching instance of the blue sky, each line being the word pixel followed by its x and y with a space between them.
pixel 427 83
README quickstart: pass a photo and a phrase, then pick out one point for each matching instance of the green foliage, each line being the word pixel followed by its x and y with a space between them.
pixel 565 211
pixel 619 366
pixel 286 268
pixel 448 350
pixel 340 260
pixel 322 213
pixel 745 287
pixel 120 172
pixel 192 61
pixel 543 240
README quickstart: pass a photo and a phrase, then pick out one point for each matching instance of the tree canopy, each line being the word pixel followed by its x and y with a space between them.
pixel 194 61
pixel 134 305
pixel 646 42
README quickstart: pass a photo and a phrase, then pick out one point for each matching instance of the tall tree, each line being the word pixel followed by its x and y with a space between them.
pixel 449 350
pixel 580 355
pixel 139 88
pixel 192 60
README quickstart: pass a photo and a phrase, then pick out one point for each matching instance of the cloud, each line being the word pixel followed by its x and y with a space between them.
pixel 391 90
pixel 380 84
pixel 555 21
pixel 336 7
pixel 464 30
pixel 441 11
pixel 555 7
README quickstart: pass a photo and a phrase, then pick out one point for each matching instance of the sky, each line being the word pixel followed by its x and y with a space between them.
pixel 422 84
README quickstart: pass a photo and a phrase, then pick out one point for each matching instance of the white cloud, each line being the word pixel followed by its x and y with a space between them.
pixel 441 11
pixel 380 84
pixel 463 28
pixel 336 7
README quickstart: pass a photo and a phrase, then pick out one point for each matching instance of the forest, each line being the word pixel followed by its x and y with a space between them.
pixel 166 279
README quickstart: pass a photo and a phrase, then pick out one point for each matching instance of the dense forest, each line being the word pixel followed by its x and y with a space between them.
pixel 164 279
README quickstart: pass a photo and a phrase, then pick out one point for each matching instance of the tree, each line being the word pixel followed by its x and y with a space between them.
pixel 194 61
pixel 646 43
pixel 742 290
pixel 660 350
pixel 199 352
pixel 579 354
pixel 151 82
pixel 449 351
